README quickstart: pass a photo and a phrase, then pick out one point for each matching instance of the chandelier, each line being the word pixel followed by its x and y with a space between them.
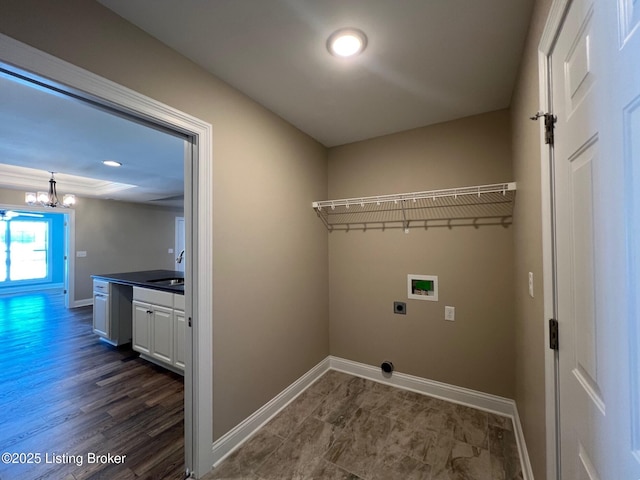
pixel 50 198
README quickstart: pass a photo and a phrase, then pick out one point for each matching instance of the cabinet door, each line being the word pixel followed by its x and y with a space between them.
pixel 101 314
pixel 179 337
pixel 162 334
pixel 142 317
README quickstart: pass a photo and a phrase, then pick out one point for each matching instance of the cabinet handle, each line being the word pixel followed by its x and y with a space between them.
pixel 149 312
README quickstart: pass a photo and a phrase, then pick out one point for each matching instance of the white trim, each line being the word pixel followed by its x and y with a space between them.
pixel 433 297
pixel 451 393
pixel 81 303
pixel 70 266
pixel 444 391
pixel 506 407
pixel 69 281
pixel 32 179
pixel 552 27
pixel 234 438
pixel 13 290
pixel 17 56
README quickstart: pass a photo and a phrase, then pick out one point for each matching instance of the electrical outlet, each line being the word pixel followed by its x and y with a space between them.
pixel 531 284
pixel 450 313
pixel 400 308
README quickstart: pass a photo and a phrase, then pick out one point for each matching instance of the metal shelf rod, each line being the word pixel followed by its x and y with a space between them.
pixel 430 194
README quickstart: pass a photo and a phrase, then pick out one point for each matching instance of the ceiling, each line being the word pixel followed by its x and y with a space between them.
pixel 43 132
pixel 426 62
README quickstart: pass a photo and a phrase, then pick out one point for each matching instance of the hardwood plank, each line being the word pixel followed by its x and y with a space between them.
pixel 64 392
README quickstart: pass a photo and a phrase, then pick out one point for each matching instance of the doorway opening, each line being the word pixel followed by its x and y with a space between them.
pixel 28 255
pixel 64 78
pixel 36 251
pixel 34 243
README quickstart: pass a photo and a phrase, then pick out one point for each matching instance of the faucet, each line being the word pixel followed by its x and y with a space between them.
pixel 179 259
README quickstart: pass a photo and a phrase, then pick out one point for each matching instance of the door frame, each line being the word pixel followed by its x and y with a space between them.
pixel 69 246
pixel 553 25
pixel 20 58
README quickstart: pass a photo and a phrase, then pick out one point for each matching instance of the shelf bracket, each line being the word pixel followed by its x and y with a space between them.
pixel 405 222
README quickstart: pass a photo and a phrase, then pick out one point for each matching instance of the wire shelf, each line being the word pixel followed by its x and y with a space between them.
pixel 483 204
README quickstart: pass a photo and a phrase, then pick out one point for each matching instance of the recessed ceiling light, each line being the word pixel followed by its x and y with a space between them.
pixel 347 42
pixel 112 163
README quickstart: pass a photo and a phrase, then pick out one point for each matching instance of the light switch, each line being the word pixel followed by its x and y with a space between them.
pixel 450 313
pixel 170 250
pixel 531 284
pixel 81 253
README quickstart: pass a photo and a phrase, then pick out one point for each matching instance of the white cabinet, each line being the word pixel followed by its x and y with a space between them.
pixel 112 312
pixel 162 334
pixel 142 317
pixel 159 329
pixel 101 314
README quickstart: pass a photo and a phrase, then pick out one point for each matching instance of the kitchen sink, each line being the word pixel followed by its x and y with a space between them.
pixel 167 281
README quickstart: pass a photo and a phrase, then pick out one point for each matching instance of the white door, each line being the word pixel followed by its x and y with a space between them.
pixel 594 81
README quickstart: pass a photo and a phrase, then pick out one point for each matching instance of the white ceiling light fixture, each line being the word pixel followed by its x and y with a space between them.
pixel 111 163
pixel 50 198
pixel 347 42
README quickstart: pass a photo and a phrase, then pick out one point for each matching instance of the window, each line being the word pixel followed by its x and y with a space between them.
pixel 25 253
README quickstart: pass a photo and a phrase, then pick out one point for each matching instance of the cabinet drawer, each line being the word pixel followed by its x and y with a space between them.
pixel 155 297
pixel 100 286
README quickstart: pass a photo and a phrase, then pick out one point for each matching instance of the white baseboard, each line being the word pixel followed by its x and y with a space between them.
pixel 229 442
pixel 451 393
pixel 81 303
pixel 16 290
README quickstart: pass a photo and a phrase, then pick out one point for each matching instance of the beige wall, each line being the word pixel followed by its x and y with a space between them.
pixel 368 270
pixel 271 270
pixel 270 251
pixel 530 321
pixel 121 237
pixel 117 236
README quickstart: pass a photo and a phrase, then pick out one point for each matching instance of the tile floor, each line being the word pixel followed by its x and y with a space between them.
pixel 348 428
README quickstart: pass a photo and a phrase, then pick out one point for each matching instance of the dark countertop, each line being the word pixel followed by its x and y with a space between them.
pixel 145 279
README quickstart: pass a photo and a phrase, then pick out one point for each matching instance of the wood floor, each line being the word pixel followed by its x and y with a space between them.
pixel 76 408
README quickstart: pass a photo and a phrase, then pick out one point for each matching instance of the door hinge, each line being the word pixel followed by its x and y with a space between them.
pixel 549 125
pixel 189 321
pixel 553 334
